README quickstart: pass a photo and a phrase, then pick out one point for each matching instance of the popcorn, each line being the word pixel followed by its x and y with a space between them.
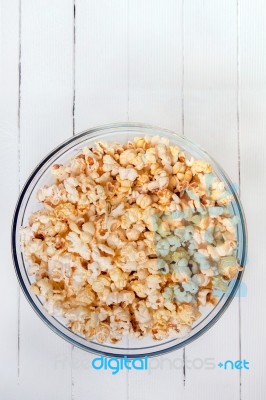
pixel 182 296
pixel 127 157
pixel 78 278
pixel 203 296
pixel 144 201
pixel 132 240
pixel 220 284
pixel 118 211
pixel 190 287
pixel 155 300
pixel 182 331
pixel 77 314
pixel 181 273
pixel 59 172
pixel 52 195
pixel 188 313
pixel 102 333
pixel 168 294
pixel 70 186
pixel 228 267
pixel 128 173
pixel 120 297
pixel 153 282
pixel 201 166
pixel 88 227
pixel 100 283
pixel 162 266
pixel 174 242
pixel 162 247
pixel 85 295
pixel 45 287
pixel 76 246
pixel 143 314
pixel 201 280
pixel 110 165
pixel 118 277
pixel 160 331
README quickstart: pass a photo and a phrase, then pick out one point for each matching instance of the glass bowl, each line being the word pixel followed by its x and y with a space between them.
pixel 27 203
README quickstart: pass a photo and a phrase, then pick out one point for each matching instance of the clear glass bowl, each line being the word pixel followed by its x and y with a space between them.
pixel 27 203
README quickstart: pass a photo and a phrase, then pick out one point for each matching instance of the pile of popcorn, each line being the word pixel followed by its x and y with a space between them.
pixel 132 240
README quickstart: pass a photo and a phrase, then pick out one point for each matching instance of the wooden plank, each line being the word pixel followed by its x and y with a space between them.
pixel 9 79
pixel 101 96
pixel 210 119
pixel 45 121
pixel 101 63
pixel 155 63
pixel 252 94
pixel 155 97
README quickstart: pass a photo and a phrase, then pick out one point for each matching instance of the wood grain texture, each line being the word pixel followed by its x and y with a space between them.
pixel 210 119
pixel 101 63
pixel 45 121
pixel 252 95
pixel 155 62
pixel 9 83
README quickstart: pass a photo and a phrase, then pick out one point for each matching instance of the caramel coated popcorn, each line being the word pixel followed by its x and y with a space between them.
pixel 132 240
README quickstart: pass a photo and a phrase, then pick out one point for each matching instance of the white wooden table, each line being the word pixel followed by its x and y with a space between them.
pixel 195 66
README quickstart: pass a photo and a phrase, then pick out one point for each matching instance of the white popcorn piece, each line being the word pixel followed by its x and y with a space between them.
pixel 100 283
pixel 142 313
pixel 118 211
pixel 76 246
pixel 128 173
pixel 202 296
pixel 144 201
pixel 127 157
pixel 52 194
pixel 88 227
pixel 110 165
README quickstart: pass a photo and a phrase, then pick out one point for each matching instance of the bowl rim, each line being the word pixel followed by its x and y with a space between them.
pixel 41 315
